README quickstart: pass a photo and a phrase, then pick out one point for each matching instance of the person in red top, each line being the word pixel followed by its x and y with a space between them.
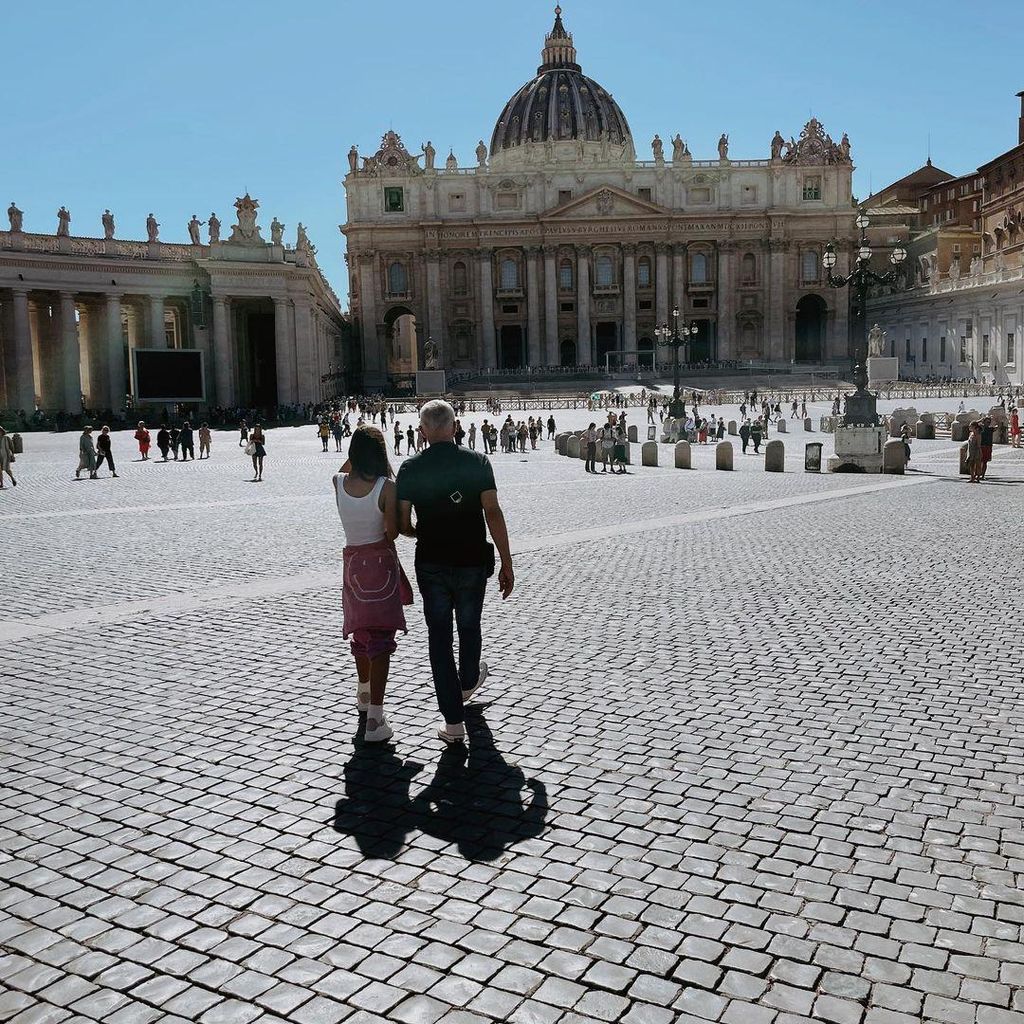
pixel 142 436
pixel 1015 428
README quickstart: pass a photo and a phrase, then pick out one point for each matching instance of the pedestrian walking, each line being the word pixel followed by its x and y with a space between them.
pixel 185 440
pixel 453 494
pixel 6 458
pixel 205 439
pixel 1015 429
pixel 142 437
pixel 86 454
pixel 104 452
pixel 243 434
pixel 590 440
pixel 607 447
pixel 756 430
pixel 472 436
pixel 375 587
pixel 619 451
pixel 175 441
pixel 410 440
pixel 551 427
pixel 987 432
pixel 256 448
pixel 336 431
pixel 398 438
pixel 974 460
pixel 745 435
pixel 324 432
pixel 163 441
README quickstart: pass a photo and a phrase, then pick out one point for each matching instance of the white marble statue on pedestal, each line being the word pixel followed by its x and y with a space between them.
pixel 876 341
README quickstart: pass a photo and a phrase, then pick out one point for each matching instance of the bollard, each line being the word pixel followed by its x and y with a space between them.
pixel 812 457
pixel 629 454
pixel 572 447
pixel 17 445
pixel 780 426
pixel 683 455
pixel 560 443
pixel 631 434
pixel 732 428
pixel 775 457
pixel 925 431
pixel 723 455
pixel 649 453
pixel 808 424
pixel 894 457
pixel 958 431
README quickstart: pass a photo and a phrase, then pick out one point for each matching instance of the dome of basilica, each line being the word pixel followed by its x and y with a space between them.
pixel 560 104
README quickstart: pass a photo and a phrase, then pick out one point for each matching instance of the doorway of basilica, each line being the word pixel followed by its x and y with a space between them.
pixel 700 344
pixel 567 353
pixel 607 340
pixel 811 312
pixel 402 340
pixel 511 354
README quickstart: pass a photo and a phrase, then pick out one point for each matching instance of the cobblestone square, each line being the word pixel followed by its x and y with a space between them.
pixel 751 752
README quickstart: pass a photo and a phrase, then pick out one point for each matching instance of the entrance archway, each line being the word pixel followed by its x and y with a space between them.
pixel 700 343
pixel 401 340
pixel 645 354
pixel 607 340
pixel 811 313
pixel 511 354
pixel 567 352
pixel 259 362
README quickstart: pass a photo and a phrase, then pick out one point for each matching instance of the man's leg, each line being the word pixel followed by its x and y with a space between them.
pixel 470 588
pixel 438 603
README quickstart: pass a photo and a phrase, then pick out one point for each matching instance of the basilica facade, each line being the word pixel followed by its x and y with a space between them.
pixel 560 247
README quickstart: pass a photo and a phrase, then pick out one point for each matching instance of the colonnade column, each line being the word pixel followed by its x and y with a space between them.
pixel 726 298
pixel 678 278
pixel 284 351
pixel 114 339
pixel 629 298
pixel 776 346
pixel 490 350
pixel 222 352
pixel 91 324
pixel 157 334
pixel 550 306
pixel 661 283
pixel 583 347
pixel 435 315
pixel 71 353
pixel 306 389
pixel 24 394
pixel 533 349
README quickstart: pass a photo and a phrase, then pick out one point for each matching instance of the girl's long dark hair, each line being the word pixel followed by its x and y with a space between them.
pixel 368 453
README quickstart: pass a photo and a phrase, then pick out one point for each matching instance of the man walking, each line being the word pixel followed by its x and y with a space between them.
pixel 453 492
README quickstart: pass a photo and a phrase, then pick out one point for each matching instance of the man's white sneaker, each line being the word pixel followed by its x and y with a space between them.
pixel 377 731
pixel 467 695
pixel 452 733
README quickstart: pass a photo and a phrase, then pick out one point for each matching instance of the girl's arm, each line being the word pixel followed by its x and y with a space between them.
pixel 389 506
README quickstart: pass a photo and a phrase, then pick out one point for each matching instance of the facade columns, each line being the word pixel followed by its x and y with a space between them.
pixel 678 278
pixel 90 330
pixel 24 394
pixel 490 349
pixel 584 355
pixel 533 349
pixel 157 333
pixel 374 365
pixel 776 341
pixel 725 347
pixel 629 298
pixel 661 284
pixel 284 351
pixel 71 355
pixel 551 306
pixel 307 390
pixel 114 338
pixel 222 352
pixel 435 315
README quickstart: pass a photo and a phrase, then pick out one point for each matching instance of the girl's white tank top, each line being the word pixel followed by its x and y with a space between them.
pixel 361 518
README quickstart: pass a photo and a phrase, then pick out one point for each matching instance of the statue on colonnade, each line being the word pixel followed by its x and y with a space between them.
pixel 14 215
pixel 152 229
pixel 193 230
pixel 63 222
pixel 214 225
pixel 276 232
pixel 108 225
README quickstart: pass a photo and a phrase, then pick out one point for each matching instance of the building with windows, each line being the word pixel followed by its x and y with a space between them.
pixel 560 247
pixel 73 307
pixel 959 311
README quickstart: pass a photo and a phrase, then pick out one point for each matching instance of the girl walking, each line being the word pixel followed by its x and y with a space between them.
pixel 257 449
pixel 104 452
pixel 375 587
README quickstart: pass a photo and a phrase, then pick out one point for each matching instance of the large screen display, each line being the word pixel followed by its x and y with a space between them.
pixel 168 375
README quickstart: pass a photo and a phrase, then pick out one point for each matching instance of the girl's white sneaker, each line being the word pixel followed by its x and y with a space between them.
pixel 377 731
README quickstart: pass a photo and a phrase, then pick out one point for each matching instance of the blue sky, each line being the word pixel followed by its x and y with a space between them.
pixel 179 108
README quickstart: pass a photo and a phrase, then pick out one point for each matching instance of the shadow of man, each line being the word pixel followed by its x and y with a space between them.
pixel 475 801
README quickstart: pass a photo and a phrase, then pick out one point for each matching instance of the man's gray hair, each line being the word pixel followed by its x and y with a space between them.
pixel 437 415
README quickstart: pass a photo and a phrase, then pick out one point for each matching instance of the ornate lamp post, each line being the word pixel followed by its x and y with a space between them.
pixel 860 406
pixel 675 337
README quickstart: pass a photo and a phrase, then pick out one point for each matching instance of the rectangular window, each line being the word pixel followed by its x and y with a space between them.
pixel 394 200
pixel 963 350
pixel 749 194
pixel 924 350
pixel 909 354
pixel 956 248
pixel 567 307
pixel 564 195
pixel 1011 354
pixel 985 347
pixel 457 202
pixel 644 304
pixel 644 193
pixel 510 309
pixel 942 349
pixel 565 276
pixel 812 187
pixel 700 303
pixel 970 329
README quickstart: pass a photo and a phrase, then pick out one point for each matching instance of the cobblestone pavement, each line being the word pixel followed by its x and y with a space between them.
pixel 751 751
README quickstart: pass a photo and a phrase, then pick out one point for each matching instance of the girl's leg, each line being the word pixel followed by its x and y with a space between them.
pixel 378 675
pixel 363 674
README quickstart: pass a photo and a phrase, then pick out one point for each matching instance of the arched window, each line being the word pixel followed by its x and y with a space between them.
pixel 604 272
pixel 565 276
pixel 699 268
pixel 809 265
pixel 398 280
pixel 460 283
pixel 643 272
pixel 748 268
pixel 509 276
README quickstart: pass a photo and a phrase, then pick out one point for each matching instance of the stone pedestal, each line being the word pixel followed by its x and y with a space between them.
pixel 858 450
pixel 882 370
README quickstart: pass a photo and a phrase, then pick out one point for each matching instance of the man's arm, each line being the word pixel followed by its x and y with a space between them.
pixel 405 526
pixel 499 533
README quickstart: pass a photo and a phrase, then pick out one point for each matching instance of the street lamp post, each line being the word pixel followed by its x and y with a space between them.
pixel 675 337
pixel 860 407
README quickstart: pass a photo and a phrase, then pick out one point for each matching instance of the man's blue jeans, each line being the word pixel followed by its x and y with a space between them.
pixel 446 590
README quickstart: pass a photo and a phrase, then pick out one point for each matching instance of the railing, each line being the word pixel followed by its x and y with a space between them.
pixel 983 280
